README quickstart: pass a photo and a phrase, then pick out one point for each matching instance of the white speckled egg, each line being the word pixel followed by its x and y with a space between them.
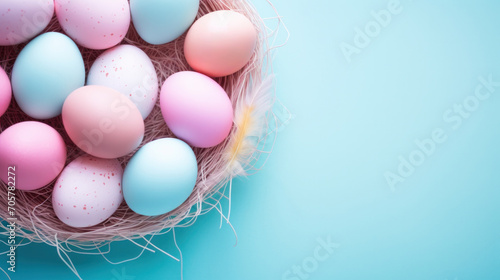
pixel 94 24
pixel 21 20
pixel 88 191
pixel 129 70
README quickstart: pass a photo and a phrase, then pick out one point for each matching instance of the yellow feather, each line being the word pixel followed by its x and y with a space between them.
pixel 241 134
pixel 250 123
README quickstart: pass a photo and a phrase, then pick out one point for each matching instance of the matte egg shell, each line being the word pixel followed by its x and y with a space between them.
pixel 159 177
pixel 220 43
pixel 128 70
pixel 88 191
pixel 46 71
pixel 196 109
pixel 35 150
pixel 102 122
pixel 22 20
pixel 159 21
pixel 94 24
pixel 5 92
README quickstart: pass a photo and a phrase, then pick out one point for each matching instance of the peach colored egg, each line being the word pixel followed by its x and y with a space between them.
pixel 34 152
pixel 102 122
pixel 22 20
pixel 88 191
pixel 94 24
pixel 5 91
pixel 220 43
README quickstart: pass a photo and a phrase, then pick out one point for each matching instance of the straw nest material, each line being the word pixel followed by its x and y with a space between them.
pixel 252 96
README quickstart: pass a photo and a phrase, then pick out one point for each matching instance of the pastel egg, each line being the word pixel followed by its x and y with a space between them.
pixel 196 109
pixel 5 92
pixel 159 177
pixel 22 20
pixel 88 191
pixel 102 122
pixel 220 43
pixel 159 22
pixel 36 152
pixel 46 71
pixel 128 70
pixel 94 24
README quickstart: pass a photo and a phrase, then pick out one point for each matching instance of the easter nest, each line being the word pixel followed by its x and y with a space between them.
pixel 251 139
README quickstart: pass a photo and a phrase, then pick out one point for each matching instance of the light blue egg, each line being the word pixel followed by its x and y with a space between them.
pixel 46 71
pixel 162 21
pixel 160 177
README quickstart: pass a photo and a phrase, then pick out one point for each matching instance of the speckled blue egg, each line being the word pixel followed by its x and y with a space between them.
pixel 46 71
pixel 160 177
pixel 159 21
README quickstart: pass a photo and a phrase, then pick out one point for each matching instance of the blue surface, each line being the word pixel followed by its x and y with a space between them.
pixel 325 181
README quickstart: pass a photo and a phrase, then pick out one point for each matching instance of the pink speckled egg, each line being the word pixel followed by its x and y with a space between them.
pixel 34 152
pixel 5 92
pixel 94 24
pixel 196 108
pixel 21 20
pixel 88 191
pixel 102 122
pixel 220 43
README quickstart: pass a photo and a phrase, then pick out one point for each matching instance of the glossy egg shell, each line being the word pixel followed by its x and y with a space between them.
pixel 159 22
pixel 129 70
pixel 196 109
pixel 22 20
pixel 160 177
pixel 35 150
pixel 220 43
pixel 88 191
pixel 102 122
pixel 5 92
pixel 46 71
pixel 94 24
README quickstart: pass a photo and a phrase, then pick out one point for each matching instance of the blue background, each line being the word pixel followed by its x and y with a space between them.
pixel 326 177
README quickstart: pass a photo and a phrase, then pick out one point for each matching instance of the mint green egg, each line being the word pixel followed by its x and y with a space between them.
pixel 160 177
pixel 162 21
pixel 46 71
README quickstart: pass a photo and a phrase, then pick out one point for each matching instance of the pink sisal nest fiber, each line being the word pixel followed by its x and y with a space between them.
pixel 252 96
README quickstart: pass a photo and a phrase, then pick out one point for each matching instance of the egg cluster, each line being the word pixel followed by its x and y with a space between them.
pixel 103 113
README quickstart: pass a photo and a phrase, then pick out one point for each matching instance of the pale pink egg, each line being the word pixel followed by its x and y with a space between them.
pixel 88 191
pixel 102 122
pixel 5 92
pixel 33 152
pixel 94 24
pixel 22 20
pixel 196 108
pixel 220 43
